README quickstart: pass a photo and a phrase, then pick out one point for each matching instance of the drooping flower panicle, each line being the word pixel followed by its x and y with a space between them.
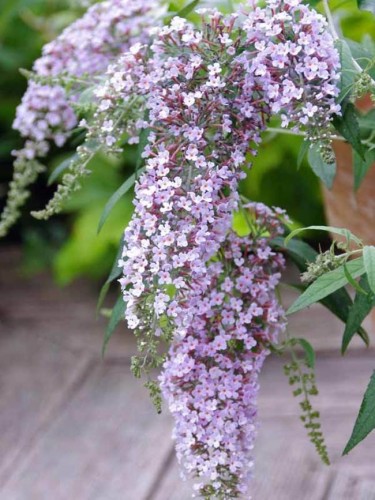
pixel 46 113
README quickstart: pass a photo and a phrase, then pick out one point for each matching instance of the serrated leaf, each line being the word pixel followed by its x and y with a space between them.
pixel 347 125
pixel 116 316
pixel 302 153
pixel 369 262
pixel 327 284
pixel 361 167
pixel 61 168
pixel 348 235
pixel 359 310
pixel 309 352
pixel 325 171
pixel 365 422
pixel 368 5
pixel 117 195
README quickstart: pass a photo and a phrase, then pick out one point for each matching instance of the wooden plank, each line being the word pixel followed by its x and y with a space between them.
pixel 108 443
pixel 346 487
pixel 35 380
pixel 63 316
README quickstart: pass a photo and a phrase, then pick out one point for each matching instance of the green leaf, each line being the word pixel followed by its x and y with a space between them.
pixel 302 153
pixel 366 121
pixel 361 167
pixel 359 310
pixel 299 251
pixel 365 422
pixel 143 141
pixel 189 8
pixel 309 352
pixel 327 284
pixel 347 125
pixel 61 168
pixel 115 273
pixel 353 282
pixel 368 5
pixel 117 195
pixel 325 171
pixel 348 70
pixel 117 315
pixel 369 262
pixel 348 235
pixel 339 302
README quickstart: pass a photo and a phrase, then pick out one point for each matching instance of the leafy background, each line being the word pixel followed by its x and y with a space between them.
pixel 69 244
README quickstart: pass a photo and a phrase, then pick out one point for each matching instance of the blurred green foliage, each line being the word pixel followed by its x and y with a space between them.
pixel 70 244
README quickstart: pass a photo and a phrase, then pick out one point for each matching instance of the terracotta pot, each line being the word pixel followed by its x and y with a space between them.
pixel 346 208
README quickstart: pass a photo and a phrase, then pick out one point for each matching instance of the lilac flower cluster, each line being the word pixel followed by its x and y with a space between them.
pixel 62 74
pixel 85 48
pixel 44 115
pixel 204 96
pixel 210 379
pixel 296 64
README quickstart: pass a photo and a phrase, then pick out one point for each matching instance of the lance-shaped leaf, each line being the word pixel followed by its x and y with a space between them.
pixel 115 273
pixel 348 235
pixel 369 261
pixel 116 197
pixel 309 352
pixel 339 302
pixel 116 316
pixel 325 171
pixel 359 310
pixel 327 284
pixel 347 125
pixel 365 422
pixel 368 5
pixel 361 167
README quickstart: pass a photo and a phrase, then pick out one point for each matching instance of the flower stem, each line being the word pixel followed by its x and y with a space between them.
pixel 300 134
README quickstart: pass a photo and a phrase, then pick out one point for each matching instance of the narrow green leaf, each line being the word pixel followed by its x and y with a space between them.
pixel 327 284
pixel 348 70
pixel 143 141
pixel 369 262
pixel 361 167
pixel 309 352
pixel 302 153
pixel 368 5
pixel 325 171
pixel 353 282
pixel 347 125
pixel 365 422
pixel 366 121
pixel 115 198
pixel 61 168
pixel 348 235
pixel 115 273
pixel 117 315
pixel 359 310
pixel 189 8
pixel 339 302
pixel 299 251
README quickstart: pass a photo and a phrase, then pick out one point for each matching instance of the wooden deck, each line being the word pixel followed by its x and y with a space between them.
pixel 74 427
